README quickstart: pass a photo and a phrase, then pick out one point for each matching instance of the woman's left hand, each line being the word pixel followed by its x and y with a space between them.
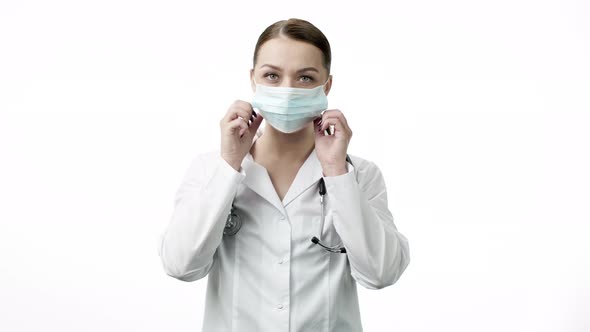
pixel 331 149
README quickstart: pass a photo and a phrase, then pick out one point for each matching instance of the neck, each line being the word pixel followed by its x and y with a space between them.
pixel 294 147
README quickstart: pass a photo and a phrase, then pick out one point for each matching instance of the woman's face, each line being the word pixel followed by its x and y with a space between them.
pixel 286 62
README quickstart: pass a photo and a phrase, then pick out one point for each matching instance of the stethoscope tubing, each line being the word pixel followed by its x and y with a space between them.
pixel 234 221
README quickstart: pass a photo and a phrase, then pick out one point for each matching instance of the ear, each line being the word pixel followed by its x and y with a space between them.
pixel 252 83
pixel 328 85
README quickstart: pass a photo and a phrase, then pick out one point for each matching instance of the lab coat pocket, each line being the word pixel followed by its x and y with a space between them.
pixel 303 229
pixel 329 236
pixel 309 226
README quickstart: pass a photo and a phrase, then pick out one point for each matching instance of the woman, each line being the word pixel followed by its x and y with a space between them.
pixel 246 214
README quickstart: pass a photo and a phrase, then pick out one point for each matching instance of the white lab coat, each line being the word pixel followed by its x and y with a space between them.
pixel 270 276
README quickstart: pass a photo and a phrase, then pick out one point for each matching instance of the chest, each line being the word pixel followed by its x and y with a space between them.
pixel 282 176
pixel 272 262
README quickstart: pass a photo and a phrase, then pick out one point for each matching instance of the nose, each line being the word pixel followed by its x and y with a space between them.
pixel 287 83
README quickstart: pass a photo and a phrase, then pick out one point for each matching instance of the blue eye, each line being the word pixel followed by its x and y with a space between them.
pixel 307 78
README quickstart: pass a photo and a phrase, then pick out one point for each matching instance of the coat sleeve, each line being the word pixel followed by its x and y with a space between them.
pixel 188 243
pixel 378 254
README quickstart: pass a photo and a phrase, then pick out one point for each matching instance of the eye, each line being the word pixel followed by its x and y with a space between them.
pixel 306 79
pixel 271 76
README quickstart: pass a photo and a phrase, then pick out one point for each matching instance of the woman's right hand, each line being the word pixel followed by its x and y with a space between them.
pixel 238 127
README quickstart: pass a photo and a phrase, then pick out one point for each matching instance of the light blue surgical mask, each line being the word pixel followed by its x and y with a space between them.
pixel 289 109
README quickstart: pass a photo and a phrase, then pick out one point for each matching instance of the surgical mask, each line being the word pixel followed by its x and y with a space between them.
pixel 289 109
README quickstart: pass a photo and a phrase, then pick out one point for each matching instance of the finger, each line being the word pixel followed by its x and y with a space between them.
pixel 318 128
pixel 254 125
pixel 236 124
pixel 331 113
pixel 253 117
pixel 239 108
pixel 336 114
pixel 336 122
pixel 238 113
pixel 243 104
pixel 316 122
pixel 242 132
pixel 244 107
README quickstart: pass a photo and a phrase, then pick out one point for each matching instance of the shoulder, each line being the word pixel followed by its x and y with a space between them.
pixel 362 165
pixel 202 163
pixel 366 171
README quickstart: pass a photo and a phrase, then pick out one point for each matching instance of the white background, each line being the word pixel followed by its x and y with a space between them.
pixel 477 113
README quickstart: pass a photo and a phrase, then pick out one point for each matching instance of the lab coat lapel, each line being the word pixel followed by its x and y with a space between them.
pixel 309 173
pixel 258 179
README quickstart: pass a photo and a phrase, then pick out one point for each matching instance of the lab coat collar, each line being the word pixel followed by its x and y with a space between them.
pixel 258 179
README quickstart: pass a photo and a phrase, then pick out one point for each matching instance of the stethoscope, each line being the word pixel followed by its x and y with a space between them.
pixel 234 221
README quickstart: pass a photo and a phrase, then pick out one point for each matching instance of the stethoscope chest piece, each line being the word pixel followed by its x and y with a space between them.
pixel 233 223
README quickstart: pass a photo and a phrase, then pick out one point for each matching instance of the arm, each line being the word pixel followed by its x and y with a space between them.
pixel 377 252
pixel 195 230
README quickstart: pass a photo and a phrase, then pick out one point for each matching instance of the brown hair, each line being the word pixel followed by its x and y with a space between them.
pixel 296 29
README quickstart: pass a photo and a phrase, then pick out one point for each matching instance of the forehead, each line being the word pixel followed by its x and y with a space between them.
pixel 289 54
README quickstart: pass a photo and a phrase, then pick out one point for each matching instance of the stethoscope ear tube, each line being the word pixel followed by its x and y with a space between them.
pixel 315 240
pixel 334 249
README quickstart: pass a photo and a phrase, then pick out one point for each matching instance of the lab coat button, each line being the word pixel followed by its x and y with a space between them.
pixel 282 217
pixel 280 306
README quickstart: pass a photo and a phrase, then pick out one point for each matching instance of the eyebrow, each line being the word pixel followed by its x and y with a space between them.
pixel 299 71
